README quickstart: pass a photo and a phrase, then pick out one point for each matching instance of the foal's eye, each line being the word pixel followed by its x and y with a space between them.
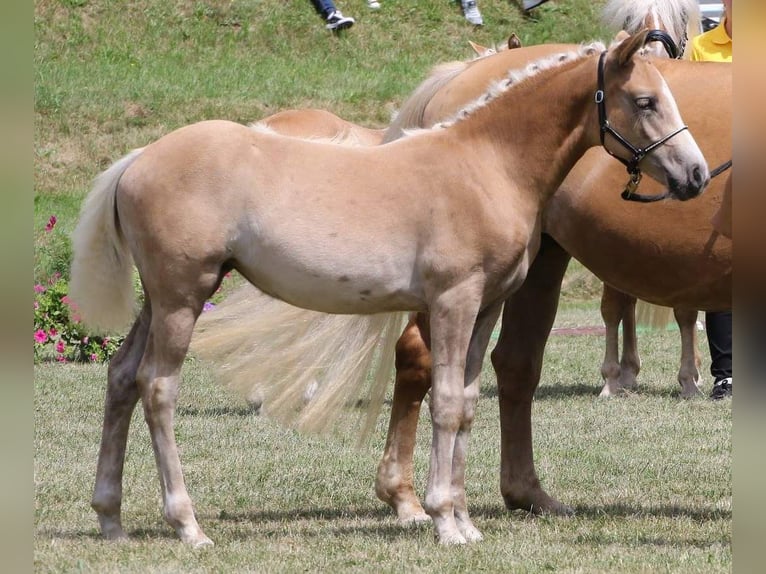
pixel 645 103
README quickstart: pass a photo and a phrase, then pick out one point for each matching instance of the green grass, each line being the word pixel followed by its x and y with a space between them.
pixel 649 474
pixel 649 477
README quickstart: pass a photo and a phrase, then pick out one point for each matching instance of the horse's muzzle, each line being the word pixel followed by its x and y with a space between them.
pixel 693 185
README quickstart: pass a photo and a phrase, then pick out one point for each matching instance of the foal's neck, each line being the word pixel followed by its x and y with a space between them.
pixel 542 126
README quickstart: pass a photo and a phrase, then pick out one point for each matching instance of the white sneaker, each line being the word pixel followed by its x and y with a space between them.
pixel 373 4
pixel 471 12
pixel 337 21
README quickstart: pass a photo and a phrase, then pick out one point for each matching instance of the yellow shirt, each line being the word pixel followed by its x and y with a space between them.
pixel 712 46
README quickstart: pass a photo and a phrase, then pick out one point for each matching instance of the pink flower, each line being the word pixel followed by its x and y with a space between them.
pixel 66 300
pixel 39 288
pixel 105 342
pixel 40 336
pixel 52 332
pixel 51 224
pixel 85 340
pixel 37 305
pixel 60 346
pixel 93 357
pixel 61 358
pixel 208 306
pixel 55 277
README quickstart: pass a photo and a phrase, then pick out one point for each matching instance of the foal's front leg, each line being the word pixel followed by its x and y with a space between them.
pixel 453 316
pixel 476 352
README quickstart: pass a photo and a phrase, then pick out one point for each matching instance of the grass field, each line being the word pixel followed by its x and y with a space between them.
pixel 649 475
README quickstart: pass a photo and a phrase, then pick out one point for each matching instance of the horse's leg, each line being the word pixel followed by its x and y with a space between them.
pixel 688 374
pixel 158 379
pixel 614 308
pixel 478 348
pixel 527 320
pixel 121 399
pixel 630 361
pixel 394 481
pixel 453 316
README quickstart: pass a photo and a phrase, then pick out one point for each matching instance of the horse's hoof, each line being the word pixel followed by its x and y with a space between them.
pixel 454 539
pixel 203 543
pixel 111 529
pixel 414 519
pixel 472 534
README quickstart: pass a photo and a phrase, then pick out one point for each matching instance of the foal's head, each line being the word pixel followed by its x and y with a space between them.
pixel 640 122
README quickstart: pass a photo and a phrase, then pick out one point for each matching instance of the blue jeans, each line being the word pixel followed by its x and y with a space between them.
pixel 324 7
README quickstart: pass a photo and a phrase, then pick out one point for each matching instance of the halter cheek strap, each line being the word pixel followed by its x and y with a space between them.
pixel 637 153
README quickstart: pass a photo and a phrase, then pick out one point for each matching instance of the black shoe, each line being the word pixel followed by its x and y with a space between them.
pixel 721 389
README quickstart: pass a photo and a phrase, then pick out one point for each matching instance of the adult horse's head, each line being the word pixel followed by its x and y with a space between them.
pixel 640 123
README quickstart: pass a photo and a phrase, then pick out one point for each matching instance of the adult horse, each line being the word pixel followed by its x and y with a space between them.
pixel 654 251
pixel 682 20
pixel 466 200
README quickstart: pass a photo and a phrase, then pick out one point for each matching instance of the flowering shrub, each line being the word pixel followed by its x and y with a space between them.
pixel 58 333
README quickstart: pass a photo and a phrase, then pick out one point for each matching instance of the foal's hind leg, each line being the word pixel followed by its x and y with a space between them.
pixel 121 399
pixel 618 307
pixel 688 374
pixel 158 378
pixel 518 357
pixel 394 481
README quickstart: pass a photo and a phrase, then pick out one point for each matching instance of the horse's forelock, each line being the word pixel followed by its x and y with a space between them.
pixel 678 17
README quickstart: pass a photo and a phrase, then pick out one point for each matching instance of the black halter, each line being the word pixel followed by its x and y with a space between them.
pixel 671 48
pixel 638 154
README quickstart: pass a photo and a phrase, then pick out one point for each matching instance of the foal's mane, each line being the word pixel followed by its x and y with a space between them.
pixel 413 108
pixel 678 16
pixel 514 78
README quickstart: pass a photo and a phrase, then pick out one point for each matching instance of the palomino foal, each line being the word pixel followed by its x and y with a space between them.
pixel 445 221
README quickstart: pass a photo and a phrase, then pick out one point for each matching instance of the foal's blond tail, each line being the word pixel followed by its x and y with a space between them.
pixel 653 316
pixel 260 346
pixel 101 284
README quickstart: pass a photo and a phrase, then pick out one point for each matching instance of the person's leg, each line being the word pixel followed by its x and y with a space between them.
pixel 323 7
pixel 471 12
pixel 718 328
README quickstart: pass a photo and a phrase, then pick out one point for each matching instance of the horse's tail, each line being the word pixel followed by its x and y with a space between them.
pixel 101 284
pixel 411 114
pixel 653 316
pixel 305 366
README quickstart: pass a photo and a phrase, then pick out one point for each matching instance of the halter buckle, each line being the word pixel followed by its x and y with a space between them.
pixel 632 185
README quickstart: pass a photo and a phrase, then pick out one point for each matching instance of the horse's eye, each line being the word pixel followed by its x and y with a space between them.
pixel 645 103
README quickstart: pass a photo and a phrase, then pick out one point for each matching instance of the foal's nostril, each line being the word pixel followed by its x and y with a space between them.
pixel 699 177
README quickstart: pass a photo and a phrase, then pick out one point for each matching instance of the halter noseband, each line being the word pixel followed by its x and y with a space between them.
pixel 638 153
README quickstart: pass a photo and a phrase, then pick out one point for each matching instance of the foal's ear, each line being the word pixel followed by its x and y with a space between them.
pixel 621 36
pixel 513 41
pixel 630 46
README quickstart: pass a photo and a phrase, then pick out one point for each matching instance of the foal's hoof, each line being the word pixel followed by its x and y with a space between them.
pixel 204 543
pixel 195 539
pixel 414 519
pixel 472 534
pixel 452 539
